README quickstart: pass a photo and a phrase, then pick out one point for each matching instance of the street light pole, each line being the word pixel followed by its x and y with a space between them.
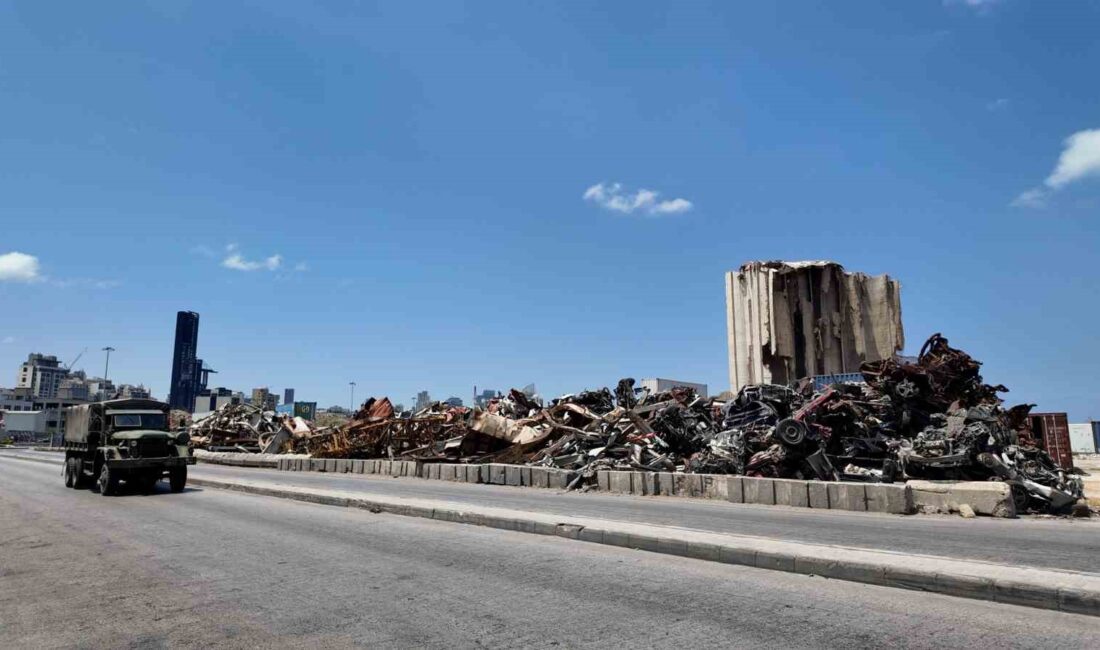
pixel 351 404
pixel 107 363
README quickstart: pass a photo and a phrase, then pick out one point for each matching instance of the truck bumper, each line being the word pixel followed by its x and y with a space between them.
pixel 142 463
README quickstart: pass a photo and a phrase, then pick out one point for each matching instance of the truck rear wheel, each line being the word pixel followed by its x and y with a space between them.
pixel 70 476
pixel 108 481
pixel 177 478
pixel 78 472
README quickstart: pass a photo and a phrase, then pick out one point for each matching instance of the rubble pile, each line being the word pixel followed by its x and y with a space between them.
pixel 934 418
pixel 243 427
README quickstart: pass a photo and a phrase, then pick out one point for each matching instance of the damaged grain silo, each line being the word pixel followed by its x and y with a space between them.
pixel 788 320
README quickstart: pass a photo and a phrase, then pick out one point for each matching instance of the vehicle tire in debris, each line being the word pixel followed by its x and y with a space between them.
pixel 791 432
pixel 108 482
pixel 177 478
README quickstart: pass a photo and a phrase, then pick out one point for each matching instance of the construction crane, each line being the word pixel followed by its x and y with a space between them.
pixel 72 363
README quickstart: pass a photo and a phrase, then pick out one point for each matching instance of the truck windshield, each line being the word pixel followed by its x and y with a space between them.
pixel 140 421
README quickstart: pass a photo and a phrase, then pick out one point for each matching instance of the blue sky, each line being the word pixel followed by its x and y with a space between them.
pixel 395 193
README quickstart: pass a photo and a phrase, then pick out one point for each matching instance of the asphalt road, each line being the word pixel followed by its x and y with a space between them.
pixel 210 567
pixel 1066 544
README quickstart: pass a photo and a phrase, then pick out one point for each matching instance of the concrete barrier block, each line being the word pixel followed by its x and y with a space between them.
pixel 619 482
pixel 892 498
pixel 497 474
pixel 848 496
pixel 357 466
pixel 603 480
pixel 735 489
pixel 473 473
pixel 395 468
pixel 759 490
pixel 525 475
pixel 561 478
pixel 483 474
pixel 819 495
pixel 512 475
pixel 343 466
pixel 644 483
pixel 330 465
pixel 715 486
pixel 447 471
pixel 985 497
pixel 791 492
pixel 540 477
pixel 385 467
pixel 687 485
pixel 316 464
pixel 433 471
pixel 666 484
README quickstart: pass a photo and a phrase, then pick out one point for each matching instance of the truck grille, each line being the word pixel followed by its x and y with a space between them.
pixel 151 449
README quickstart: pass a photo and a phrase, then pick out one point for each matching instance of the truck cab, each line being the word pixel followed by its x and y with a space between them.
pixel 124 441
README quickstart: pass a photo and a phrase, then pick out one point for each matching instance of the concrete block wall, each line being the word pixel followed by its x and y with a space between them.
pixel 862 497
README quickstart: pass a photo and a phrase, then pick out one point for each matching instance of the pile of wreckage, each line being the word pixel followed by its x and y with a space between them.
pixel 929 419
pixel 247 428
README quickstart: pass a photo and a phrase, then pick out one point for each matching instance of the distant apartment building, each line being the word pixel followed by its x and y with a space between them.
pixel 453 401
pixel 481 400
pixel 129 391
pixel 16 399
pixel 264 398
pixel 42 374
pixel 212 399
pixel 288 396
pixel 423 400
pixel 660 385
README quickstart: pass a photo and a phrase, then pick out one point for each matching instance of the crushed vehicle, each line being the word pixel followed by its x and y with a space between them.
pixel 247 428
pixel 124 440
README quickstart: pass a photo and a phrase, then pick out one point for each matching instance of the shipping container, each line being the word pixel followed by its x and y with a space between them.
pixel 1051 431
pixel 1080 439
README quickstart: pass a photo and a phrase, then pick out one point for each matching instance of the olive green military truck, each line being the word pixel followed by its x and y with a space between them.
pixel 124 440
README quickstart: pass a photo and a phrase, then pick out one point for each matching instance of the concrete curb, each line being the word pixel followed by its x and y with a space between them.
pixel 1065 591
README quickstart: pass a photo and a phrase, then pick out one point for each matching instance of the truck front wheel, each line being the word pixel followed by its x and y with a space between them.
pixel 108 481
pixel 70 477
pixel 177 478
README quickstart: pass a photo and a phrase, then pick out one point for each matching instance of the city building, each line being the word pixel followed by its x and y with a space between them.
pixel 73 387
pixel 306 410
pixel 16 399
pixel 453 401
pixel 288 396
pixel 129 391
pixel 212 399
pixel 186 366
pixel 423 400
pixel 264 398
pixel 659 385
pixel 481 400
pixel 42 374
pixel 789 320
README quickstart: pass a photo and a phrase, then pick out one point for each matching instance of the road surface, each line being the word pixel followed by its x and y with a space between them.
pixel 1067 544
pixel 210 567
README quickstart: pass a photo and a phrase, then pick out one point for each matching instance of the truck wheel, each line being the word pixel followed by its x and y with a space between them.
pixel 177 478
pixel 78 473
pixel 108 482
pixel 149 482
pixel 70 478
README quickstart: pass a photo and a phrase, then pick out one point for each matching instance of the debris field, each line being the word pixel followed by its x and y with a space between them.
pixel 934 418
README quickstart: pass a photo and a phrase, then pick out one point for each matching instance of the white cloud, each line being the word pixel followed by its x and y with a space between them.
pixel 7 339
pixel 237 262
pixel 1036 197
pixel 19 267
pixel 301 266
pixel 979 5
pixel 998 104
pixel 1080 159
pixel 613 197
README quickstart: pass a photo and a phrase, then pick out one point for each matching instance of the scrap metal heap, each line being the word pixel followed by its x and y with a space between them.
pixel 931 419
pixel 243 427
